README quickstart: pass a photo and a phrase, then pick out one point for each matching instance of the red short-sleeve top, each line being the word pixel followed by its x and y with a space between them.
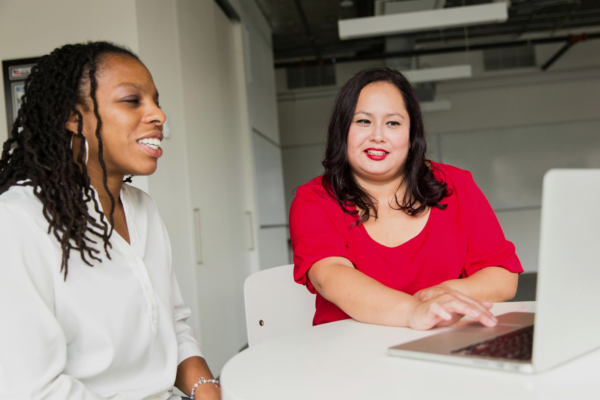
pixel 455 242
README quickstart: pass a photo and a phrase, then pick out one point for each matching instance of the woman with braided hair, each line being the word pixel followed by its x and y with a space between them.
pixel 89 304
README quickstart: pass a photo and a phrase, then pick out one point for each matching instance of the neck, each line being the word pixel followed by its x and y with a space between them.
pixel 114 183
pixel 383 190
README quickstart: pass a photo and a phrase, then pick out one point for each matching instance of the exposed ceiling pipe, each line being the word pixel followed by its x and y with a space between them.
pixel 306 25
pixel 442 50
pixel 573 39
pixel 228 10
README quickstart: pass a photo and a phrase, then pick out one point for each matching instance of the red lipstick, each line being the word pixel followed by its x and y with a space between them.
pixel 376 157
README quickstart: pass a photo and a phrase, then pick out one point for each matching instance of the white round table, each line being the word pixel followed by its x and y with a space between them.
pixel 348 360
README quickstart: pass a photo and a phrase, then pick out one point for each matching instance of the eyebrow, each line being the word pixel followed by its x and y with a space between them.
pixel 387 115
pixel 134 85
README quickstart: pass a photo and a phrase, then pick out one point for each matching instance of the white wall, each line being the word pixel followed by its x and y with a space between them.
pixel 212 57
pixel 505 104
pixel 271 218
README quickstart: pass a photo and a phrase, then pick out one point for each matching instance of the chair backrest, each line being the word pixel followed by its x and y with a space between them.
pixel 275 304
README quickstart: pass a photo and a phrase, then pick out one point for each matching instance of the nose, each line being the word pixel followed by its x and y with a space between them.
pixel 155 115
pixel 377 135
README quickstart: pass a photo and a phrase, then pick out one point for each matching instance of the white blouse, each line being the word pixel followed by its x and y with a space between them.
pixel 112 331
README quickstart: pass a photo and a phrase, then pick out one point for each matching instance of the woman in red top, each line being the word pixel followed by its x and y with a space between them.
pixel 388 237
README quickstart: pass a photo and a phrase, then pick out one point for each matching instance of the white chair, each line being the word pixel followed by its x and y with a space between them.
pixel 275 304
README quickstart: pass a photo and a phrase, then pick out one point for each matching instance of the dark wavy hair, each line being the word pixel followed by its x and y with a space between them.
pixel 38 153
pixel 422 188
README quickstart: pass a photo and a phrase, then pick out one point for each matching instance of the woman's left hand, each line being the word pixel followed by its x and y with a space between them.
pixel 208 391
pixel 189 372
pixel 491 284
pixel 438 290
pixel 432 292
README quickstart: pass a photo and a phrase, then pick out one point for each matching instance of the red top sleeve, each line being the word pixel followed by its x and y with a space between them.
pixel 314 231
pixel 486 244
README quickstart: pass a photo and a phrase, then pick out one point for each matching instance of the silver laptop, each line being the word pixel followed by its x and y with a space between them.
pixel 566 323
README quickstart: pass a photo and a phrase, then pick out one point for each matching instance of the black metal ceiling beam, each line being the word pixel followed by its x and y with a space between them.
pixel 358 46
pixel 505 29
pixel 573 39
pixel 441 50
pixel 306 25
pixel 228 10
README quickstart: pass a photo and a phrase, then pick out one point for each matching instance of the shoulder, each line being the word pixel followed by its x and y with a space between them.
pixel 314 206
pixel 449 172
pixel 314 192
pixel 21 197
pixel 138 198
pixel 143 208
pixel 314 186
pixel 24 229
pixel 462 187
pixel 21 203
pixel 456 178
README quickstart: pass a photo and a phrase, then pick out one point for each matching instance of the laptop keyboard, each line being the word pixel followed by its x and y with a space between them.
pixel 516 345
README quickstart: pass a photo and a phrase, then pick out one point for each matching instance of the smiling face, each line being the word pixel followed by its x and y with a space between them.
pixel 132 121
pixel 379 136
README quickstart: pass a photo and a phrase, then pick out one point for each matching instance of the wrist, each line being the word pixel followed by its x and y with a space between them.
pixel 205 387
pixel 453 284
pixel 408 310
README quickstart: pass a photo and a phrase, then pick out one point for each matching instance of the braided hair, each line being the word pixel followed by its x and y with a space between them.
pixel 38 154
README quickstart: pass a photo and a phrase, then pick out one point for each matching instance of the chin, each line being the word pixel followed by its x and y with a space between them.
pixel 378 171
pixel 380 174
pixel 145 170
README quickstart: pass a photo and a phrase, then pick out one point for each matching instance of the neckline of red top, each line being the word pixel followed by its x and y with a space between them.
pixel 409 241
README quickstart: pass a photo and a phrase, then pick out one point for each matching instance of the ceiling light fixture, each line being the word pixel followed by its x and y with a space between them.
pixel 438 74
pixel 439 105
pixel 393 24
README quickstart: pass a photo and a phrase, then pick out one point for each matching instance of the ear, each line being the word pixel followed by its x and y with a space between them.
pixel 72 122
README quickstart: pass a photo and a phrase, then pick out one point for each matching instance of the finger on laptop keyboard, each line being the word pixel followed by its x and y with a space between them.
pixel 482 306
pixel 440 311
pixel 458 303
pixel 487 304
pixel 467 308
pixel 429 315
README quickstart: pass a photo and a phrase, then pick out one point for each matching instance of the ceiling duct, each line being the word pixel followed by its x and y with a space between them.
pixel 509 57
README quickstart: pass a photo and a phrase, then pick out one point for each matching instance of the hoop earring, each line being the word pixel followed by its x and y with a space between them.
pixel 87 150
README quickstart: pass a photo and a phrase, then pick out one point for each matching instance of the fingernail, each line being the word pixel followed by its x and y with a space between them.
pixel 474 313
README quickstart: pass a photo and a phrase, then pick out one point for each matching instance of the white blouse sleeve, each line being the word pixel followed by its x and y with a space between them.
pixel 186 341
pixel 187 346
pixel 33 348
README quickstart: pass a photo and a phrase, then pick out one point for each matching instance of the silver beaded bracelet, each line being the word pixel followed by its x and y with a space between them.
pixel 202 381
